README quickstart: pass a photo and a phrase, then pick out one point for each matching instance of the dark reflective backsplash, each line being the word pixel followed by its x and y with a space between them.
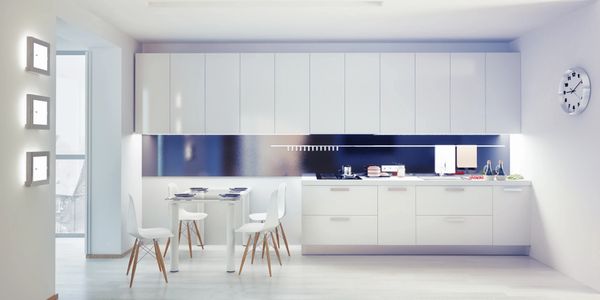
pixel 293 155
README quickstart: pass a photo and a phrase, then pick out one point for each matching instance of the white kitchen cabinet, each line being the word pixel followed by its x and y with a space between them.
pixel 327 99
pixel 362 93
pixel 152 93
pixel 257 93
pixel 187 93
pixel 512 215
pixel 454 230
pixel 292 93
pixel 503 93
pixel 433 93
pixel 454 200
pixel 222 93
pixel 397 80
pixel 339 200
pixel 339 230
pixel 467 93
pixel 396 215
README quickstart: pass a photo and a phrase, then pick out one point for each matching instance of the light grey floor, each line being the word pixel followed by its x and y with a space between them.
pixel 315 277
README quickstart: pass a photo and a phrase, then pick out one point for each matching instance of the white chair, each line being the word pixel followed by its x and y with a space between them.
pixel 261 217
pixel 187 217
pixel 265 228
pixel 143 235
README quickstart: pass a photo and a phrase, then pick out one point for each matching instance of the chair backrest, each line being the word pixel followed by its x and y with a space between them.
pixel 272 219
pixel 132 224
pixel 281 198
pixel 172 188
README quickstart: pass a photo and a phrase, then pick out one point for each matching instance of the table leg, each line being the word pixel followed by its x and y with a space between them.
pixel 174 240
pixel 230 238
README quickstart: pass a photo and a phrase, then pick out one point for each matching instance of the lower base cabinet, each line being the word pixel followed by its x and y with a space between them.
pixel 339 230
pixel 454 230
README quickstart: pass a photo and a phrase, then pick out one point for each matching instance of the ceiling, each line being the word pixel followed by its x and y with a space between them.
pixel 328 20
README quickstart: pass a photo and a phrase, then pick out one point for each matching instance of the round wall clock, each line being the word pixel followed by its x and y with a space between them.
pixel 574 91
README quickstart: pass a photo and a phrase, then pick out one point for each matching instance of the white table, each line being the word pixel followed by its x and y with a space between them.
pixel 211 196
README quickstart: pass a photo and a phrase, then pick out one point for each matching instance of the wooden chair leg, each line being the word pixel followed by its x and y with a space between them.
pixel 135 261
pixel 245 254
pixel 189 238
pixel 167 247
pixel 268 255
pixel 287 247
pixel 263 249
pixel 179 238
pixel 256 235
pixel 154 244
pixel 198 235
pixel 131 255
pixel 276 249
pixel 277 234
pixel 160 260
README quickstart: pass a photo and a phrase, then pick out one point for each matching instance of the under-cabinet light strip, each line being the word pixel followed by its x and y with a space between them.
pixel 337 147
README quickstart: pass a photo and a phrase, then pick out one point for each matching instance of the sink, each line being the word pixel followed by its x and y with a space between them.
pixel 441 178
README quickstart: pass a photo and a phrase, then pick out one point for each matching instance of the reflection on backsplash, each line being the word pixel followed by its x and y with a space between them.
pixel 293 155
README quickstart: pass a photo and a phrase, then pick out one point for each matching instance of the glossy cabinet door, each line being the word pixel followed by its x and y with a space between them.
pixel 511 215
pixel 503 93
pixel 292 93
pixel 222 93
pixel 257 93
pixel 396 215
pixel 433 93
pixel 397 88
pixel 152 93
pixel 327 97
pixel 362 93
pixel 454 230
pixel 187 93
pixel 467 97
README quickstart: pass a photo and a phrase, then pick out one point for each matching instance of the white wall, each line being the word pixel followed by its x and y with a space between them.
pixel 27 249
pixel 117 168
pixel 561 151
pixel 156 213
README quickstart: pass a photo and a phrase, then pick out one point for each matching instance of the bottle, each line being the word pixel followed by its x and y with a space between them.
pixel 500 169
pixel 487 170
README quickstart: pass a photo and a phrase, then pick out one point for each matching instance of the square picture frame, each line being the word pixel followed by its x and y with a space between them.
pixel 38 168
pixel 38 112
pixel 38 56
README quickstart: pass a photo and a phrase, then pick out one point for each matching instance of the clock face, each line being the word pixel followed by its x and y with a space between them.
pixel 574 91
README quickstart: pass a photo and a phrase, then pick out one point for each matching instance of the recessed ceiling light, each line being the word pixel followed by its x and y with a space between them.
pixel 262 3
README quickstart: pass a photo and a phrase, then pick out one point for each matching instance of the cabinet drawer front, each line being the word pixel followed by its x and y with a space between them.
pixel 339 230
pixel 454 200
pixel 512 215
pixel 396 218
pixel 454 230
pixel 339 200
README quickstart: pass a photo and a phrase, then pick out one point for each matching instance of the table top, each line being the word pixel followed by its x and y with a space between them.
pixel 210 195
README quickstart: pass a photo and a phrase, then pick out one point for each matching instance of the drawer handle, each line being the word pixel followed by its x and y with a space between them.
pixel 339 219
pixel 514 190
pixel 455 189
pixel 397 189
pixel 340 189
pixel 455 219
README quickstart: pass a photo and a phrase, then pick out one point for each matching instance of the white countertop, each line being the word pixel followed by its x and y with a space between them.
pixel 410 180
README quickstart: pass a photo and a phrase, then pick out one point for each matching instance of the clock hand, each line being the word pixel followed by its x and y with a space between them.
pixel 573 89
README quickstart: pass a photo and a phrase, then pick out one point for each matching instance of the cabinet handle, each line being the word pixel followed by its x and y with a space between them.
pixel 514 190
pixel 455 219
pixel 339 219
pixel 340 189
pixel 455 189
pixel 397 189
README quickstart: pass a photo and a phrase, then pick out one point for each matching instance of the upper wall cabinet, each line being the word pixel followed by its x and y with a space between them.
pixel 503 93
pixel 433 93
pixel 292 93
pixel 467 93
pixel 187 94
pixel 152 93
pixel 223 93
pixel 327 93
pixel 397 88
pixel 362 93
pixel 257 93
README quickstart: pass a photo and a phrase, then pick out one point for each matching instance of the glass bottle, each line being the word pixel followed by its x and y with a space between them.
pixel 500 168
pixel 487 170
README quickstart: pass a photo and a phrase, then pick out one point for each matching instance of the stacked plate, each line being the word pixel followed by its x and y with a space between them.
pixel 373 171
